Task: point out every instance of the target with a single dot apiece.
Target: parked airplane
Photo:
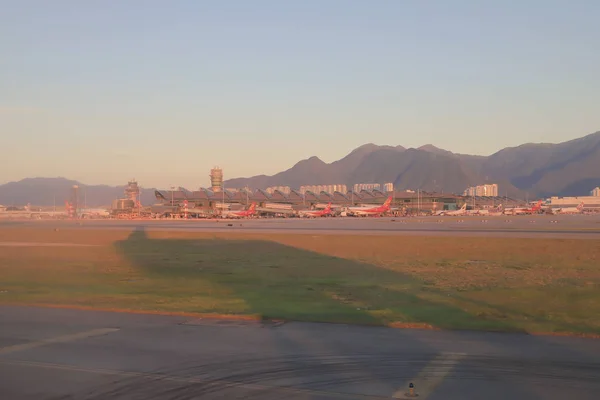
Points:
(316, 213)
(240, 214)
(569, 210)
(486, 211)
(524, 210)
(460, 211)
(498, 210)
(364, 211)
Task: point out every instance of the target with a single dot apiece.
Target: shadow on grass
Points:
(276, 281)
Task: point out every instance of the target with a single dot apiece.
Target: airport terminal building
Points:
(294, 200)
(590, 203)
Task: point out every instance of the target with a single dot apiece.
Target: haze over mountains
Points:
(565, 169)
(49, 191)
(539, 169)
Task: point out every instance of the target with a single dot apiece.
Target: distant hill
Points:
(45, 191)
(568, 168)
(539, 169)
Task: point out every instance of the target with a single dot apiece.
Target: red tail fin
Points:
(388, 201)
(252, 207)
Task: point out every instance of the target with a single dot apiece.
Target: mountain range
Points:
(536, 169)
(49, 191)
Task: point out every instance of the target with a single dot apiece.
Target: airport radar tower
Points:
(216, 179)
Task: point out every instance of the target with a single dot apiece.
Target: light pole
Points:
(222, 198)
(172, 201)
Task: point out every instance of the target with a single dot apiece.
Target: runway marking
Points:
(58, 339)
(431, 376)
(210, 382)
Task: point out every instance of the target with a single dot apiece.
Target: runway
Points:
(549, 226)
(73, 354)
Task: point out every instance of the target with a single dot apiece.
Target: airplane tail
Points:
(328, 208)
(580, 206)
(252, 207)
(388, 202)
(464, 207)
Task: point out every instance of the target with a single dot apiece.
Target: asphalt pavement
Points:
(74, 354)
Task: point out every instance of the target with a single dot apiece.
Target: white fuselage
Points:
(567, 210)
(234, 214)
(310, 214)
(364, 211)
(461, 211)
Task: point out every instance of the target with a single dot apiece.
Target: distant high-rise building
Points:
(595, 192)
(366, 186)
(388, 187)
(323, 188)
(283, 189)
(216, 179)
(487, 190)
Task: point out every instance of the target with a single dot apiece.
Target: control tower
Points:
(132, 191)
(216, 179)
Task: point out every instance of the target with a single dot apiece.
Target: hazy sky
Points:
(103, 91)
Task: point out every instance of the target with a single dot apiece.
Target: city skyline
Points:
(160, 91)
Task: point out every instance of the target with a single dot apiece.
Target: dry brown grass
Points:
(480, 283)
(449, 262)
